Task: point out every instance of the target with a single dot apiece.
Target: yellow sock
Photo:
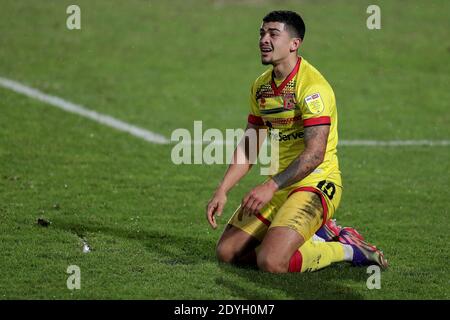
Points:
(315, 255)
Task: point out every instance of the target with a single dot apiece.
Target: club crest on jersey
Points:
(289, 101)
(262, 102)
(314, 103)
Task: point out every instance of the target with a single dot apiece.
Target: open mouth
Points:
(266, 50)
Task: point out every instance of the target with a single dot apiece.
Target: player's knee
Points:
(272, 264)
(225, 253)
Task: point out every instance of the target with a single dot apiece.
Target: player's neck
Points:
(282, 69)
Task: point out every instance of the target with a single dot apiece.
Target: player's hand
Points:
(215, 206)
(258, 197)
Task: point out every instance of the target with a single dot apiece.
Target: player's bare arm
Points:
(238, 168)
(315, 138)
(316, 144)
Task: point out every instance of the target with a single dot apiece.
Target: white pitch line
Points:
(394, 143)
(160, 139)
(84, 112)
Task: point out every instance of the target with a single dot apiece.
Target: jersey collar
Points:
(277, 90)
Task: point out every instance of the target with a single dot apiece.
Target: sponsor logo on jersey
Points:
(280, 136)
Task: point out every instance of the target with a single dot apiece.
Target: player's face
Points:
(275, 42)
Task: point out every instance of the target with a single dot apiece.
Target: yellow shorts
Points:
(304, 209)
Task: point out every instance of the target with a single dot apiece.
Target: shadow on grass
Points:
(172, 249)
(330, 283)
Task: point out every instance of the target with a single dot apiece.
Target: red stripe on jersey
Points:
(316, 121)
(322, 199)
(258, 121)
(277, 90)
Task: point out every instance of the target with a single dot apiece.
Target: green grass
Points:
(163, 66)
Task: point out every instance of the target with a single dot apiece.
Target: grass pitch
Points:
(162, 65)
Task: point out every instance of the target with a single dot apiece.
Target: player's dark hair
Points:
(292, 21)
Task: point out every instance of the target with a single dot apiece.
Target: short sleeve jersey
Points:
(302, 100)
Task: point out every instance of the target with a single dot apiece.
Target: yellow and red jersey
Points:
(303, 99)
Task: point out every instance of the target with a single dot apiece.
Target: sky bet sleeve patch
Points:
(314, 103)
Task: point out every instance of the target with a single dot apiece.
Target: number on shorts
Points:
(328, 188)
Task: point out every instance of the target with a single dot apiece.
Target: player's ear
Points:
(295, 44)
